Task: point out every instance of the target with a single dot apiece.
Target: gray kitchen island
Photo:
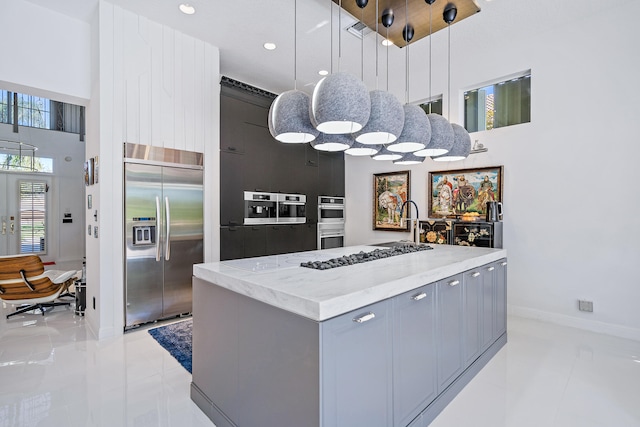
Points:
(383, 343)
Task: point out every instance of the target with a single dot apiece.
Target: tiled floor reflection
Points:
(54, 373)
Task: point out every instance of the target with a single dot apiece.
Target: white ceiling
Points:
(239, 28)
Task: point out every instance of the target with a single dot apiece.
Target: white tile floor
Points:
(53, 373)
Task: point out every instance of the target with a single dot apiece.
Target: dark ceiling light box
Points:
(418, 16)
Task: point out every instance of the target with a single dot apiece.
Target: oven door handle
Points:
(332, 207)
(338, 234)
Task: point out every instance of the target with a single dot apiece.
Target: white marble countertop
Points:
(319, 295)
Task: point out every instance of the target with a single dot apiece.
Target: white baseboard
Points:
(574, 322)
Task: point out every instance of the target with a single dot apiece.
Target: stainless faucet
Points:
(409, 217)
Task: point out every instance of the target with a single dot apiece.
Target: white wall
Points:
(40, 40)
(151, 85)
(569, 193)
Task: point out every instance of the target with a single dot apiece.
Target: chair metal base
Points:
(42, 306)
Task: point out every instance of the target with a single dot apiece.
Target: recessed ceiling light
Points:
(323, 72)
(187, 9)
(269, 46)
(387, 42)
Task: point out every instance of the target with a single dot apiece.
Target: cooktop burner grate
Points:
(362, 256)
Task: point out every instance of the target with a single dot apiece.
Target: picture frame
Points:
(390, 191)
(454, 193)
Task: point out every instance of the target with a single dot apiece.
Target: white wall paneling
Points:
(157, 87)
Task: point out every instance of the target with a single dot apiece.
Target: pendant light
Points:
(409, 159)
(340, 102)
(461, 146)
(387, 115)
(441, 136)
(289, 120)
(335, 142)
(416, 131)
(359, 149)
(385, 154)
(441, 131)
(462, 140)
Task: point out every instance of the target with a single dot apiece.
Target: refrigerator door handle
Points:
(167, 251)
(157, 228)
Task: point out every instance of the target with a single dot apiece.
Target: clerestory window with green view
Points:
(505, 103)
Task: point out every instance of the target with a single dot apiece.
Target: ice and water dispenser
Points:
(144, 233)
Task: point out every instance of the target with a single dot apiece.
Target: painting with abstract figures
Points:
(390, 191)
(455, 193)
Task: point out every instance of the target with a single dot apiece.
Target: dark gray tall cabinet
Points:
(252, 160)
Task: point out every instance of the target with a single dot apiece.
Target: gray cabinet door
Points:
(473, 314)
(356, 368)
(450, 327)
(414, 353)
(500, 284)
(488, 306)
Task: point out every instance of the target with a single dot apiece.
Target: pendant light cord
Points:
(331, 34)
(406, 37)
(449, 74)
(295, 44)
(387, 58)
(430, 73)
(339, 34)
(377, 10)
(362, 47)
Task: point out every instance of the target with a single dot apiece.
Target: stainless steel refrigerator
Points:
(163, 231)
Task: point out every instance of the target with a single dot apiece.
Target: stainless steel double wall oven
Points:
(331, 219)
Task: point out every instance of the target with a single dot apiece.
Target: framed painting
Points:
(455, 193)
(390, 191)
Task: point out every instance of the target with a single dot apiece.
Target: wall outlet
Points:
(585, 305)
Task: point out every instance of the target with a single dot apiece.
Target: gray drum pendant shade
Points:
(385, 154)
(386, 119)
(340, 104)
(359, 149)
(415, 133)
(289, 118)
(409, 159)
(336, 142)
(441, 137)
(461, 146)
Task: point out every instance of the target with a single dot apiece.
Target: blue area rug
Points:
(176, 339)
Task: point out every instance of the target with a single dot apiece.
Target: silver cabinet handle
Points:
(364, 318)
(476, 274)
(12, 227)
(167, 250)
(503, 263)
(4, 227)
(491, 268)
(454, 283)
(157, 228)
(419, 296)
